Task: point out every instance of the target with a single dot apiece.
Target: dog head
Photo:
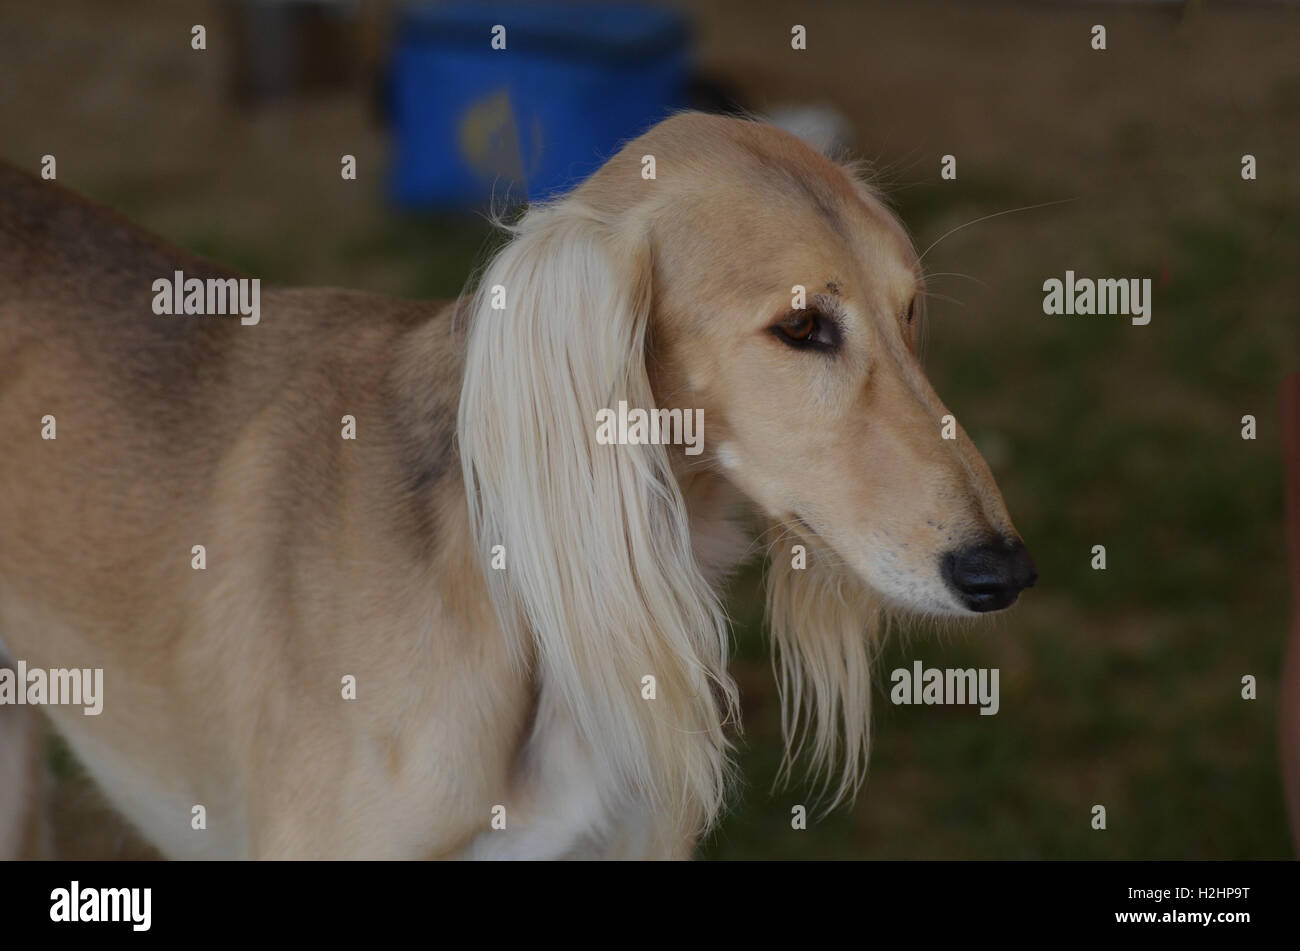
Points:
(786, 305)
(722, 266)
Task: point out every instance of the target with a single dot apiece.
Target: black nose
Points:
(990, 576)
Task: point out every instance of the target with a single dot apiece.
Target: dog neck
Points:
(721, 522)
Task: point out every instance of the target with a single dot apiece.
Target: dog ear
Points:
(599, 569)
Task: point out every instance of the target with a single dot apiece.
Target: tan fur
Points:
(329, 557)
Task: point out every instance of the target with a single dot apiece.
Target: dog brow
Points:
(808, 186)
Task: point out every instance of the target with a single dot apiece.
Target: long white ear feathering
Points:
(601, 579)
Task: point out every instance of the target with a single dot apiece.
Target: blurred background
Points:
(1119, 687)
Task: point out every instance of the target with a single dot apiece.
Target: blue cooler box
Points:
(536, 118)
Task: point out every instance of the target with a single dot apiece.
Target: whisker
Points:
(951, 300)
(999, 214)
(968, 277)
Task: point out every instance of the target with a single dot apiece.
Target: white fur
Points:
(603, 577)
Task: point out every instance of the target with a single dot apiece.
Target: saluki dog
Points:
(364, 579)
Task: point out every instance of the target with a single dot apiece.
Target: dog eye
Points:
(800, 327)
(808, 330)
